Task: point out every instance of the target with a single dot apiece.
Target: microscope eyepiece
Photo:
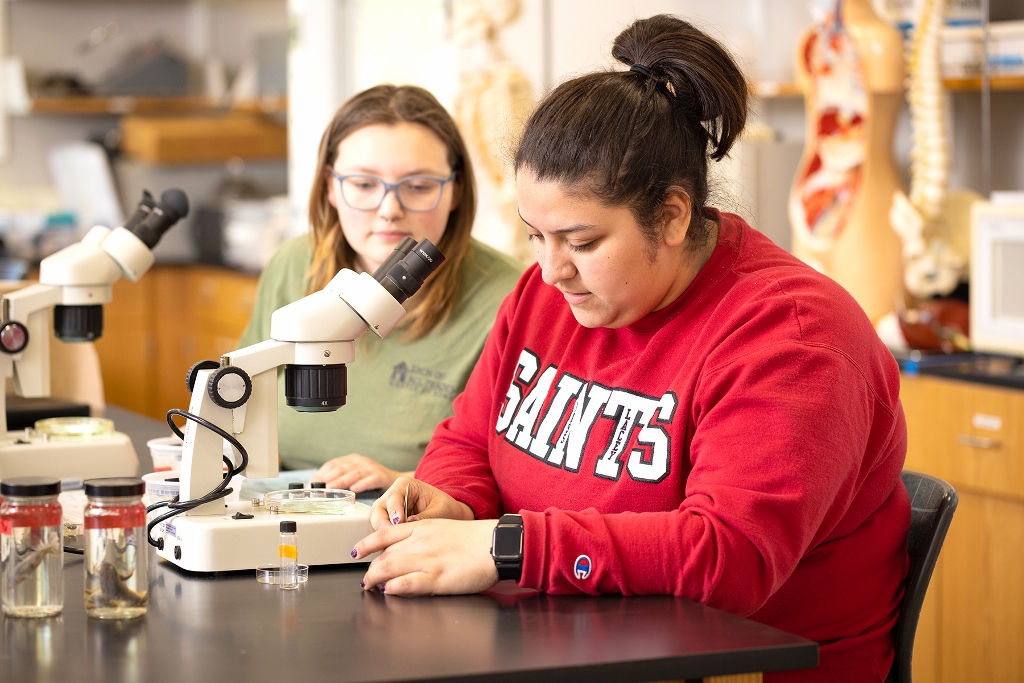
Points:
(172, 207)
(400, 252)
(142, 211)
(406, 277)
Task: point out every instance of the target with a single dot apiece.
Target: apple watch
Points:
(507, 547)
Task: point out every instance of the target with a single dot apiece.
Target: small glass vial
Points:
(116, 574)
(318, 487)
(31, 547)
(288, 551)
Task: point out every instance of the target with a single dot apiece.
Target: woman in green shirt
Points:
(392, 164)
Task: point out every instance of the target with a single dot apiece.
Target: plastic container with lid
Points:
(166, 453)
(31, 547)
(116, 572)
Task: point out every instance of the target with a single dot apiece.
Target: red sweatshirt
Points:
(741, 447)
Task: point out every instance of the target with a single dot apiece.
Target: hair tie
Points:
(642, 70)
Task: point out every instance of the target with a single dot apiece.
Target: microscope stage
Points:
(88, 458)
(222, 543)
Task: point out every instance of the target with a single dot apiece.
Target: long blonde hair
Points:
(390, 105)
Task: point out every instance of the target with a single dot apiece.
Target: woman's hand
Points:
(430, 557)
(356, 473)
(410, 500)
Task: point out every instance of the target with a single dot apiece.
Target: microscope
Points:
(235, 401)
(75, 282)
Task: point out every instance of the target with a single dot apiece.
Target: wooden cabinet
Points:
(155, 329)
(972, 435)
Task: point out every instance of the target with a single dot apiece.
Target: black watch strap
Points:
(507, 547)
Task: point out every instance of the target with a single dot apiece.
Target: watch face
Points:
(508, 543)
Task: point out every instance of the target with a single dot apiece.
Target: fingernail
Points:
(381, 587)
(362, 584)
(395, 519)
(354, 553)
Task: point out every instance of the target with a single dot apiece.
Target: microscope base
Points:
(108, 456)
(219, 543)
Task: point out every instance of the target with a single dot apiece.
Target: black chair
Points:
(932, 503)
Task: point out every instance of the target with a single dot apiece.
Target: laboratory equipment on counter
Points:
(116, 576)
(31, 547)
(236, 400)
(75, 282)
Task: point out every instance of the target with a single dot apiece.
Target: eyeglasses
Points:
(414, 193)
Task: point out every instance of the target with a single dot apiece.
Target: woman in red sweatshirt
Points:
(668, 403)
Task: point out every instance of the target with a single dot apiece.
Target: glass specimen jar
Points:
(31, 547)
(116, 574)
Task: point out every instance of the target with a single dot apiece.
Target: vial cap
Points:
(288, 527)
(30, 486)
(294, 485)
(318, 484)
(115, 487)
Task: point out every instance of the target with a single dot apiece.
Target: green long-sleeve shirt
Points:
(398, 390)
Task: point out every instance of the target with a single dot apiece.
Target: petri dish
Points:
(311, 501)
(271, 573)
(74, 428)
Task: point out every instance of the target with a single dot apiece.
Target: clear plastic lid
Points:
(74, 428)
(312, 501)
(271, 573)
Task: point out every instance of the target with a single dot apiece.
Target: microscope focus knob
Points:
(193, 372)
(230, 387)
(13, 337)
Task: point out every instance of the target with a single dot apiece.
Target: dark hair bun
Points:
(705, 81)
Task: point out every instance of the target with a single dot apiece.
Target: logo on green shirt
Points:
(421, 380)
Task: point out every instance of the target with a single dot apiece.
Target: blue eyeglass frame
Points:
(393, 187)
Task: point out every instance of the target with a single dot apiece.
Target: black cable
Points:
(74, 551)
(177, 507)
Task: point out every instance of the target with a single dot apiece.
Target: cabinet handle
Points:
(978, 441)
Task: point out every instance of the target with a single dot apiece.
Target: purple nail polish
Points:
(354, 553)
(381, 587)
(395, 519)
(362, 584)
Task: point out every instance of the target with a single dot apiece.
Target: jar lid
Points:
(30, 486)
(318, 484)
(288, 527)
(115, 487)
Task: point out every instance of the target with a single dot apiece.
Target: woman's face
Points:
(596, 256)
(390, 152)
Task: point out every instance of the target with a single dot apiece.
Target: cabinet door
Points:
(127, 349)
(972, 624)
(222, 300)
(982, 592)
(215, 306)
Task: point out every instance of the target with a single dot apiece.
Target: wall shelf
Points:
(997, 83)
(122, 105)
(775, 89)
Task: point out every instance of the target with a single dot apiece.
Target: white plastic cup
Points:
(166, 453)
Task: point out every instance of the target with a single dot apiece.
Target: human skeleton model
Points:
(851, 68)
(931, 265)
(492, 106)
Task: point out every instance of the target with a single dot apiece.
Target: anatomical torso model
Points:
(850, 66)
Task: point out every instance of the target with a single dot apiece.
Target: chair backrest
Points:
(932, 503)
